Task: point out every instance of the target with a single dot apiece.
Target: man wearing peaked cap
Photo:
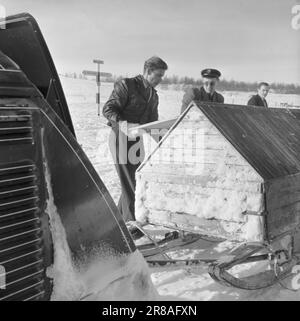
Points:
(207, 92)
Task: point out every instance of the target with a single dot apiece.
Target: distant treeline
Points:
(233, 85)
(180, 83)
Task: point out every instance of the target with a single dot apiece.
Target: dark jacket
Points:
(200, 95)
(256, 100)
(132, 101)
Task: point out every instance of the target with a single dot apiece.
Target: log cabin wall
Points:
(198, 181)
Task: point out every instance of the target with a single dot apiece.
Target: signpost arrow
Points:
(95, 73)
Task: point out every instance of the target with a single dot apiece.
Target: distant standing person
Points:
(260, 98)
(206, 93)
(134, 101)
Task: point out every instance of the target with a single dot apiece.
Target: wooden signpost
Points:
(98, 75)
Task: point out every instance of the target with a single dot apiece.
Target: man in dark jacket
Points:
(134, 101)
(207, 92)
(260, 98)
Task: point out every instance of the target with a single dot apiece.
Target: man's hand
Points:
(129, 129)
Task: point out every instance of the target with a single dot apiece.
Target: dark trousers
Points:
(126, 169)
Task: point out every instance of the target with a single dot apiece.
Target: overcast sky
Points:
(247, 40)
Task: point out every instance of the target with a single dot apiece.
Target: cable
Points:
(277, 276)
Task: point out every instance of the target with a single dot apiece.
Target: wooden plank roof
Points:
(268, 138)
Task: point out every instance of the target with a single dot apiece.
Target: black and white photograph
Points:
(149, 151)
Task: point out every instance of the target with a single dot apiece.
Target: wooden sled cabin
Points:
(225, 171)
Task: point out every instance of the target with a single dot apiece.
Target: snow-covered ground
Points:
(178, 283)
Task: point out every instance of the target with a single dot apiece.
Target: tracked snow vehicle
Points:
(42, 170)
